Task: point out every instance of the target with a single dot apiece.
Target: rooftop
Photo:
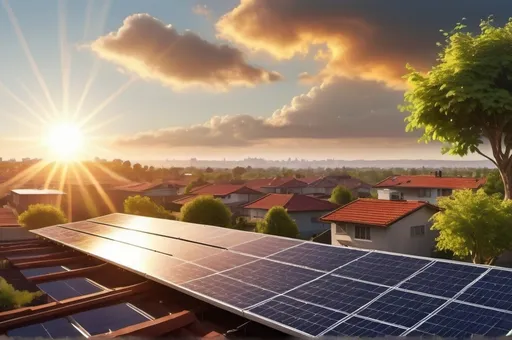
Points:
(38, 192)
(224, 190)
(431, 182)
(292, 203)
(8, 218)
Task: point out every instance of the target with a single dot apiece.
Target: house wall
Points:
(395, 238)
(159, 192)
(235, 198)
(411, 194)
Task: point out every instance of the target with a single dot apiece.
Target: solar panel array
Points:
(302, 288)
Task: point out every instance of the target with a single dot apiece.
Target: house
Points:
(162, 193)
(21, 199)
(326, 184)
(305, 210)
(278, 185)
(10, 230)
(389, 225)
(425, 187)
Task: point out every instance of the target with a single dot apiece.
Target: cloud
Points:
(372, 39)
(338, 110)
(153, 50)
(202, 10)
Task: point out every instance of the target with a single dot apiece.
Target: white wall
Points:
(409, 194)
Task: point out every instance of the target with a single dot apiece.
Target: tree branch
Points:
(484, 155)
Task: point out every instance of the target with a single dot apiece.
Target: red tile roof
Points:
(431, 182)
(8, 218)
(292, 202)
(276, 182)
(145, 186)
(224, 190)
(185, 199)
(375, 212)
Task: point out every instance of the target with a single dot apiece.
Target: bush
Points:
(243, 224)
(40, 216)
(11, 298)
(206, 210)
(278, 222)
(341, 195)
(144, 206)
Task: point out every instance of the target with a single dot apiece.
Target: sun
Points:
(64, 141)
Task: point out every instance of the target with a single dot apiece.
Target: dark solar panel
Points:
(53, 329)
(382, 268)
(65, 289)
(111, 318)
(357, 327)
(461, 321)
(42, 271)
(265, 246)
(494, 289)
(337, 293)
(318, 256)
(443, 279)
(224, 261)
(309, 319)
(181, 273)
(273, 276)
(401, 308)
(226, 290)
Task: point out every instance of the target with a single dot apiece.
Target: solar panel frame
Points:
(359, 327)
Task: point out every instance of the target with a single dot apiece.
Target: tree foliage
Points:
(11, 298)
(474, 224)
(494, 184)
(41, 215)
(206, 210)
(144, 206)
(466, 99)
(195, 184)
(341, 195)
(278, 222)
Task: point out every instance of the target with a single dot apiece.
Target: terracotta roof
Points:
(8, 218)
(375, 212)
(224, 190)
(184, 199)
(292, 202)
(431, 182)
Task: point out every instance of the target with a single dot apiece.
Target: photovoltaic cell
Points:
(357, 327)
(181, 273)
(273, 276)
(443, 279)
(233, 238)
(318, 256)
(224, 261)
(401, 308)
(494, 289)
(70, 288)
(382, 268)
(224, 289)
(53, 329)
(461, 321)
(265, 246)
(301, 316)
(42, 271)
(337, 293)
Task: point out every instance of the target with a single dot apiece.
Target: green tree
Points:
(195, 184)
(144, 206)
(41, 215)
(127, 164)
(11, 298)
(278, 222)
(341, 195)
(238, 171)
(475, 225)
(494, 184)
(206, 210)
(466, 99)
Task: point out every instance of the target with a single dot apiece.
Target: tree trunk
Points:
(506, 176)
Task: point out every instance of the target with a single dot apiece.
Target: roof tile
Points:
(291, 202)
(431, 182)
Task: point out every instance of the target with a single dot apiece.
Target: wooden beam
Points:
(66, 274)
(38, 243)
(50, 263)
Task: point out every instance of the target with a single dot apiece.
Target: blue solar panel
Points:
(494, 289)
(229, 291)
(111, 318)
(309, 319)
(265, 246)
(318, 256)
(224, 261)
(53, 329)
(443, 279)
(182, 273)
(357, 327)
(273, 276)
(42, 271)
(457, 320)
(337, 293)
(382, 268)
(70, 288)
(401, 308)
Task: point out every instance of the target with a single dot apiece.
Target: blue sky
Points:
(130, 124)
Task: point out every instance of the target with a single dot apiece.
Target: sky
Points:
(158, 79)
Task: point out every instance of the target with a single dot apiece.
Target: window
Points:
(362, 233)
(417, 230)
(424, 193)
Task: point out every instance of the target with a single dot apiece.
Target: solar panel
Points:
(458, 320)
(53, 329)
(273, 276)
(337, 293)
(42, 271)
(265, 246)
(224, 261)
(401, 308)
(494, 289)
(382, 268)
(226, 290)
(233, 238)
(358, 327)
(69, 288)
(181, 273)
(443, 279)
(317, 256)
(296, 315)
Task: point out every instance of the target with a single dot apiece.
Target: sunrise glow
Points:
(64, 141)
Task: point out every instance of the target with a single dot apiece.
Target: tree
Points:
(40, 216)
(238, 171)
(466, 99)
(341, 195)
(127, 164)
(206, 210)
(195, 184)
(278, 222)
(11, 298)
(208, 170)
(474, 224)
(494, 184)
(144, 206)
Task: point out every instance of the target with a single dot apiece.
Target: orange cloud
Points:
(202, 10)
(153, 50)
